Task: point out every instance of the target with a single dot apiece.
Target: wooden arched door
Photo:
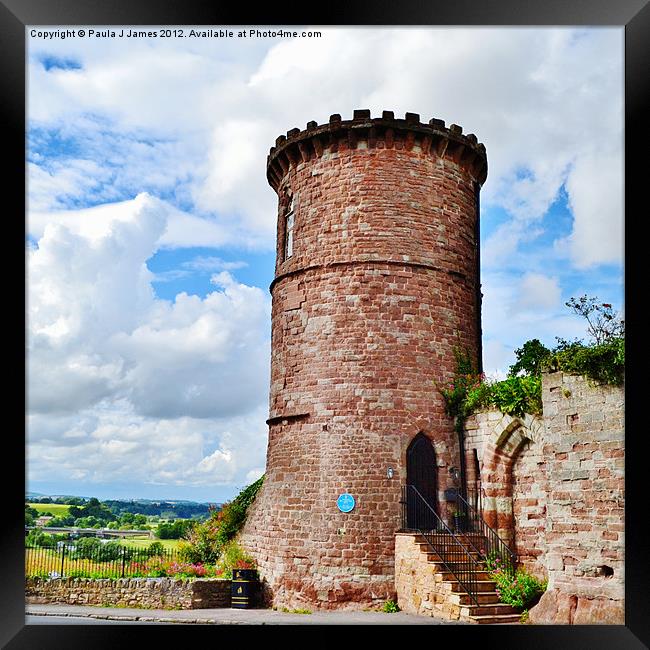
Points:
(421, 472)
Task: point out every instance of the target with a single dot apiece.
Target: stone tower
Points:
(376, 282)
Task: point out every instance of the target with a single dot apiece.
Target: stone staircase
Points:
(425, 586)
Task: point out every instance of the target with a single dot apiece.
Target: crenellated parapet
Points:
(364, 132)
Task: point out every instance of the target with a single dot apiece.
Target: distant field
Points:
(143, 542)
(57, 509)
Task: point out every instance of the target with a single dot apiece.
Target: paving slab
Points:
(59, 614)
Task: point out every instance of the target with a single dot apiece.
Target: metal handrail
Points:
(418, 515)
(495, 547)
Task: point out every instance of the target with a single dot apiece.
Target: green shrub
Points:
(299, 610)
(156, 548)
(521, 590)
(207, 540)
(175, 530)
(390, 607)
(603, 363)
(518, 395)
(41, 539)
(234, 557)
(233, 514)
(91, 548)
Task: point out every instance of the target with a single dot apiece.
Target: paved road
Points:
(74, 620)
(84, 615)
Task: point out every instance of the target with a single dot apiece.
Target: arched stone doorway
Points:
(421, 473)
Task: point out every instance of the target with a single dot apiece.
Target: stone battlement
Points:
(364, 132)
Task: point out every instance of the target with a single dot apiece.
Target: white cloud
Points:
(118, 446)
(181, 229)
(550, 103)
(538, 292)
(129, 379)
(597, 235)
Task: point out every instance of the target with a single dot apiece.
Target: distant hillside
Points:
(166, 509)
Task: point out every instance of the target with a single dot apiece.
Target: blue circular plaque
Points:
(345, 502)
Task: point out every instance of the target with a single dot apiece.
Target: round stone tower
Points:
(376, 283)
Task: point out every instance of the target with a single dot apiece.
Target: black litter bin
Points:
(243, 588)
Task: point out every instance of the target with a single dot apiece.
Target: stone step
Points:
(481, 585)
(511, 619)
(425, 548)
(448, 576)
(496, 609)
(484, 598)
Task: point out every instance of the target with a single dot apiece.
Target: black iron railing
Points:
(65, 559)
(482, 538)
(420, 517)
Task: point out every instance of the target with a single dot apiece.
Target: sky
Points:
(150, 236)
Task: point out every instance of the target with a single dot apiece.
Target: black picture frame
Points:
(633, 15)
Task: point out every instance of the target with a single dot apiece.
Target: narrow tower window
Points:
(288, 232)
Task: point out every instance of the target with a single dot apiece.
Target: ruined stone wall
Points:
(148, 593)
(556, 490)
(584, 447)
(512, 480)
(381, 285)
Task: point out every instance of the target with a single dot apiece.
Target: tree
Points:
(530, 357)
(603, 323)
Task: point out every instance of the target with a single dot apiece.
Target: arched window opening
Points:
(288, 230)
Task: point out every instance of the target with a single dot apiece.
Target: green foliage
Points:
(233, 514)
(530, 357)
(521, 590)
(155, 548)
(58, 522)
(91, 548)
(207, 540)
(38, 537)
(465, 380)
(470, 392)
(31, 514)
(232, 557)
(201, 544)
(175, 530)
(604, 362)
(516, 395)
(390, 607)
(298, 610)
(99, 511)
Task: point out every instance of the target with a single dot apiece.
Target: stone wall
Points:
(420, 590)
(512, 480)
(150, 593)
(585, 455)
(554, 487)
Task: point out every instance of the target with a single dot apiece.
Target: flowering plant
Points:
(157, 568)
(521, 590)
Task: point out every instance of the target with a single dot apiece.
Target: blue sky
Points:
(151, 227)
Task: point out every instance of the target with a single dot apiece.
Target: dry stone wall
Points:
(149, 593)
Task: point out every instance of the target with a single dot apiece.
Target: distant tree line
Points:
(163, 509)
(115, 514)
